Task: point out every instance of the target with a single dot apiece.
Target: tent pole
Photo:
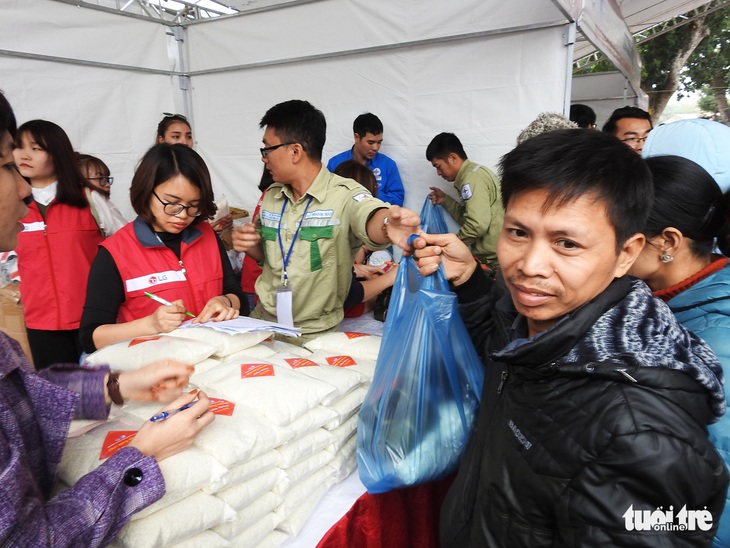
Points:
(183, 78)
(570, 46)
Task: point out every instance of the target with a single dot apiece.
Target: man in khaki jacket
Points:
(479, 211)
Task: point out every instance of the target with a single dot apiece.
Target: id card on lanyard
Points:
(284, 294)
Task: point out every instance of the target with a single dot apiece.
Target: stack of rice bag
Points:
(283, 435)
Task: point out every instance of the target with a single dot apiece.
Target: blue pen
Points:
(161, 416)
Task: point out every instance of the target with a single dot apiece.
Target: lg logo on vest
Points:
(155, 279)
(659, 520)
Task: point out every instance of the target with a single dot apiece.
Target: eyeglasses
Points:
(175, 209)
(635, 140)
(102, 180)
(265, 151)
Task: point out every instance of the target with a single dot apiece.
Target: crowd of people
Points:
(589, 269)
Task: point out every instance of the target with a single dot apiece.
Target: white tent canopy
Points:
(482, 69)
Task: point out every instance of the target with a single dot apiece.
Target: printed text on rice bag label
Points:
(250, 370)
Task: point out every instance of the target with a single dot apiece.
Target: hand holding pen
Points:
(165, 437)
(162, 415)
(167, 317)
(164, 302)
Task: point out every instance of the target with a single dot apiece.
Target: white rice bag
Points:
(249, 515)
(341, 378)
(176, 523)
(141, 351)
(358, 345)
(279, 394)
(224, 343)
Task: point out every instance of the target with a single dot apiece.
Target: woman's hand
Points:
(166, 318)
(220, 307)
(367, 271)
(161, 381)
(168, 437)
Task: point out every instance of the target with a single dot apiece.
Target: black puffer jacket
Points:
(605, 411)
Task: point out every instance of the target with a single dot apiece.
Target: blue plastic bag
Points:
(418, 414)
(432, 218)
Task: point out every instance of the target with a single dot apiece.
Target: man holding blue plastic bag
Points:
(591, 430)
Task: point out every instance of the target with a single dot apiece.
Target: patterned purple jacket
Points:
(34, 420)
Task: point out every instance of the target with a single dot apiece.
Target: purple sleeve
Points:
(89, 382)
(89, 514)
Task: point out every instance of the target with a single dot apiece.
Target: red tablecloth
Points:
(401, 518)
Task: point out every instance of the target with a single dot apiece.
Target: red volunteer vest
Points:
(54, 259)
(145, 264)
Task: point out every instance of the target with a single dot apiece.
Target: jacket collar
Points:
(623, 330)
(147, 237)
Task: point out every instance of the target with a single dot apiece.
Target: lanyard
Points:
(285, 258)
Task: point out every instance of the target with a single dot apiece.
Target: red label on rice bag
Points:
(221, 407)
(296, 363)
(341, 361)
(140, 340)
(354, 335)
(249, 370)
(114, 441)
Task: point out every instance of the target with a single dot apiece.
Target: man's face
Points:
(277, 160)
(367, 147)
(447, 168)
(633, 132)
(556, 260)
(13, 189)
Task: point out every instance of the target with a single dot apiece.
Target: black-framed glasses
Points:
(175, 209)
(635, 140)
(108, 180)
(265, 151)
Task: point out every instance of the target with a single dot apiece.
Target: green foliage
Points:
(707, 102)
(710, 63)
(603, 65)
(658, 54)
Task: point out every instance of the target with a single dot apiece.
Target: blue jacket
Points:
(704, 309)
(390, 186)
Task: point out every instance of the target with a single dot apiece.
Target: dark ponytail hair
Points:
(687, 198)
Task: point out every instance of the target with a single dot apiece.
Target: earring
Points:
(666, 258)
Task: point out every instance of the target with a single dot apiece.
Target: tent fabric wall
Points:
(105, 79)
(111, 114)
(483, 71)
(421, 67)
(61, 31)
(485, 90)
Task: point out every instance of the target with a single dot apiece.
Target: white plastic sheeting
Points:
(485, 88)
(482, 69)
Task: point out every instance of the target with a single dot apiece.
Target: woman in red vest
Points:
(167, 251)
(57, 245)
